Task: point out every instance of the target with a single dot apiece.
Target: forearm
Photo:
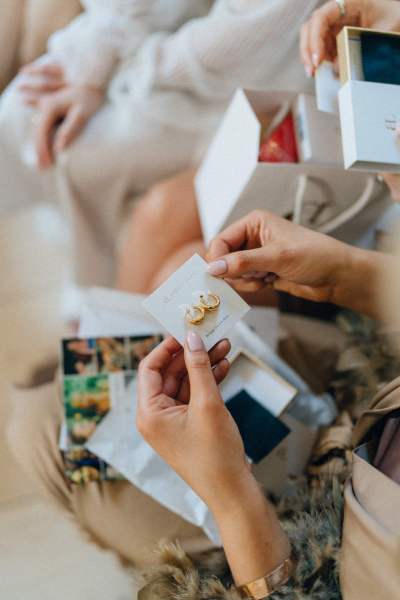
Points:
(252, 537)
(362, 281)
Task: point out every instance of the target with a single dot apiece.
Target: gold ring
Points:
(195, 314)
(205, 301)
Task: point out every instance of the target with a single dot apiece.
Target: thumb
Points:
(237, 264)
(201, 378)
(73, 123)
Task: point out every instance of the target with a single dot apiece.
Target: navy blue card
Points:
(261, 431)
(380, 57)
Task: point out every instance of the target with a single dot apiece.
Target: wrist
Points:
(358, 282)
(253, 539)
(230, 500)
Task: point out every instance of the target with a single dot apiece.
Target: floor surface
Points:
(43, 556)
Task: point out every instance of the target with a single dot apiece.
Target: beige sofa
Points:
(25, 26)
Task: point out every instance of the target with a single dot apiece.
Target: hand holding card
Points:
(193, 300)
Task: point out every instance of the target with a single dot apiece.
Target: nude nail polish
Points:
(218, 267)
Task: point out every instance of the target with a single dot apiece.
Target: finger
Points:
(304, 49)
(203, 387)
(31, 99)
(246, 285)
(220, 371)
(307, 292)
(237, 264)
(70, 129)
(232, 238)
(48, 118)
(320, 24)
(41, 85)
(50, 69)
(150, 378)
(177, 369)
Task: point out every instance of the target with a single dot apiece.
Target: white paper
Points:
(182, 289)
(250, 374)
(327, 86)
(117, 441)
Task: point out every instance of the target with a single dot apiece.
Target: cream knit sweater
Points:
(180, 61)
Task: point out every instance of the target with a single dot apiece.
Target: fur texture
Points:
(312, 509)
(312, 517)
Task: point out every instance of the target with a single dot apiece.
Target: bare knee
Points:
(169, 205)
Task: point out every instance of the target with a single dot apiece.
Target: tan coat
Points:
(370, 563)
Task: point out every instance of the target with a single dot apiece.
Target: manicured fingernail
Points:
(309, 71)
(194, 342)
(315, 59)
(218, 267)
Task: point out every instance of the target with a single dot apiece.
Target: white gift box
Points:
(369, 111)
(318, 133)
(369, 114)
(231, 182)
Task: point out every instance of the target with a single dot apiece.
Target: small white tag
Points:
(182, 289)
(327, 87)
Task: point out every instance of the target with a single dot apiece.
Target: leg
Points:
(116, 515)
(163, 221)
(21, 184)
(119, 155)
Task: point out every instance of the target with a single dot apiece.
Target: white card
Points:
(249, 373)
(327, 87)
(167, 304)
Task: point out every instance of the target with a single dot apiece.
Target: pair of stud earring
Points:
(196, 313)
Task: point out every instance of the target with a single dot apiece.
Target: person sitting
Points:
(170, 206)
(129, 94)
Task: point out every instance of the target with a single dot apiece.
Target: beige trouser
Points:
(118, 156)
(115, 514)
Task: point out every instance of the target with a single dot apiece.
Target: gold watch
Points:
(265, 586)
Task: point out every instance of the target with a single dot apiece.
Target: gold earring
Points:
(209, 301)
(195, 314)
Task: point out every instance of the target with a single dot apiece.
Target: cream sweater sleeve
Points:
(238, 42)
(110, 31)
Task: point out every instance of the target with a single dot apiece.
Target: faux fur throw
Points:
(312, 517)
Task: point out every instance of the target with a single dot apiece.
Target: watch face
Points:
(261, 431)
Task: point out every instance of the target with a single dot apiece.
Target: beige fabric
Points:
(12, 12)
(25, 26)
(115, 514)
(91, 182)
(371, 533)
(41, 19)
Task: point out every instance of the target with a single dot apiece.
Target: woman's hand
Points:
(265, 249)
(182, 416)
(62, 116)
(38, 79)
(318, 34)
